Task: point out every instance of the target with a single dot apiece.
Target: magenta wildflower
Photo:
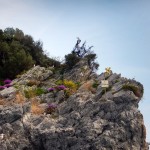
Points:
(52, 106)
(7, 81)
(61, 87)
(51, 89)
(2, 87)
(7, 85)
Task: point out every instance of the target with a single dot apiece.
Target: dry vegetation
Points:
(88, 86)
(19, 99)
(35, 108)
(2, 102)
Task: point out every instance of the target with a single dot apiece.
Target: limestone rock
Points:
(8, 92)
(86, 120)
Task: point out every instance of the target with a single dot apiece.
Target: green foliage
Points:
(40, 91)
(30, 93)
(67, 83)
(59, 82)
(19, 52)
(134, 89)
(71, 60)
(95, 84)
(67, 93)
(71, 86)
(81, 52)
(1, 82)
(117, 80)
(91, 61)
(78, 84)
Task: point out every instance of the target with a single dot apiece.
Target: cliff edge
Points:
(46, 110)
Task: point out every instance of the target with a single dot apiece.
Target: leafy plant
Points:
(71, 60)
(117, 80)
(30, 93)
(78, 84)
(95, 84)
(68, 93)
(40, 91)
(91, 61)
(70, 84)
(59, 82)
(134, 89)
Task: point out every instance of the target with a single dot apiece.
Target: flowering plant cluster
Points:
(7, 84)
(51, 89)
(59, 87)
(7, 81)
(2, 87)
(51, 108)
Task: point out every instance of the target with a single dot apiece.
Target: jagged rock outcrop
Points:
(89, 119)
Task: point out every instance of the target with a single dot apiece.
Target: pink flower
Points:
(61, 87)
(52, 106)
(7, 81)
(2, 87)
(51, 89)
(7, 85)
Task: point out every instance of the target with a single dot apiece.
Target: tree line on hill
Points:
(19, 52)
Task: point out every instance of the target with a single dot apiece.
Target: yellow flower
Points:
(108, 70)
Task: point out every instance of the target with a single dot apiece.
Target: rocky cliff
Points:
(78, 115)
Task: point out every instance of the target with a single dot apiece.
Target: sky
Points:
(119, 30)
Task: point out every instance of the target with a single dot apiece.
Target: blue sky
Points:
(119, 30)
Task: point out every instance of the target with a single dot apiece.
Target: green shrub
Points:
(40, 91)
(91, 61)
(134, 89)
(71, 60)
(59, 82)
(78, 84)
(67, 93)
(67, 83)
(117, 80)
(71, 86)
(30, 93)
(95, 84)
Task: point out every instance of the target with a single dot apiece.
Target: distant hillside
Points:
(19, 52)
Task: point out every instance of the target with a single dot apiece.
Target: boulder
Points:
(8, 92)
